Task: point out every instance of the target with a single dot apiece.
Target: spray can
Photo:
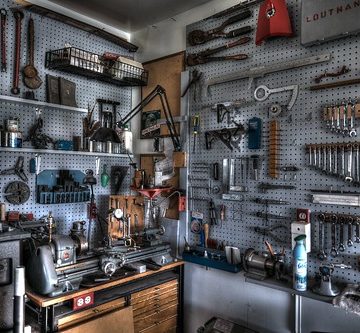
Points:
(300, 264)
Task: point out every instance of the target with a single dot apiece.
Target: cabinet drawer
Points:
(153, 318)
(154, 308)
(161, 299)
(154, 291)
(90, 313)
(167, 326)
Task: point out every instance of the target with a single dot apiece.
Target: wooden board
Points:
(119, 321)
(165, 72)
(134, 204)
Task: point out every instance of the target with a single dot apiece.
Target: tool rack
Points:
(300, 126)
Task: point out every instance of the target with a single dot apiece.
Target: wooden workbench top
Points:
(44, 301)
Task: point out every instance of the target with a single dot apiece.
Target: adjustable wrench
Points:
(262, 92)
(333, 252)
(341, 246)
(349, 221)
(348, 175)
(321, 254)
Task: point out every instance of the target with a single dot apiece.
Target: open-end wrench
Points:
(341, 246)
(324, 152)
(330, 169)
(335, 169)
(342, 161)
(357, 230)
(333, 118)
(356, 163)
(333, 252)
(310, 156)
(349, 221)
(262, 92)
(351, 113)
(319, 161)
(337, 118)
(321, 254)
(349, 159)
(315, 156)
(345, 129)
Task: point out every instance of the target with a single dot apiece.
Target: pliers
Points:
(17, 170)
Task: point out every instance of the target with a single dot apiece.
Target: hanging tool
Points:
(231, 137)
(269, 216)
(222, 214)
(335, 84)
(255, 162)
(204, 56)
(273, 232)
(261, 70)
(18, 170)
(196, 130)
(197, 37)
(342, 71)
(31, 77)
(274, 149)
(18, 15)
(3, 17)
(271, 201)
(195, 78)
(262, 92)
(266, 186)
(215, 168)
(212, 212)
(254, 133)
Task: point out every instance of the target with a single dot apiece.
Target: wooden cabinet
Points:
(155, 309)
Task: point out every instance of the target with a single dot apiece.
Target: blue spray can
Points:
(300, 264)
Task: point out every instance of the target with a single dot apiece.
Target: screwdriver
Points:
(196, 129)
(222, 214)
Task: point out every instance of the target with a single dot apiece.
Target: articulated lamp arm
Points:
(158, 91)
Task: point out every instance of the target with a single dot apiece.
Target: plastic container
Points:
(300, 264)
(127, 138)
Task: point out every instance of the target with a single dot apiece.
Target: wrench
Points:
(357, 230)
(335, 170)
(342, 161)
(310, 155)
(341, 246)
(351, 112)
(348, 176)
(356, 163)
(349, 221)
(324, 166)
(262, 92)
(321, 254)
(337, 117)
(333, 252)
(330, 159)
(333, 118)
(345, 129)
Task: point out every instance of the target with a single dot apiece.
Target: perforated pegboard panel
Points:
(303, 127)
(59, 124)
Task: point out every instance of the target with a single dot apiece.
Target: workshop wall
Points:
(59, 124)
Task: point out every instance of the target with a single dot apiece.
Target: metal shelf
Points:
(60, 152)
(10, 99)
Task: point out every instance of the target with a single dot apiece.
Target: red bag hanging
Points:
(273, 20)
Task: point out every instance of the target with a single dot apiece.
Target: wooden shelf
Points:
(11, 99)
(60, 152)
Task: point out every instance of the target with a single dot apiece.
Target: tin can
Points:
(12, 124)
(98, 146)
(14, 139)
(91, 146)
(4, 140)
(109, 147)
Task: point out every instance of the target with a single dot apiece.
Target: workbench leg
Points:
(180, 324)
(44, 319)
(298, 313)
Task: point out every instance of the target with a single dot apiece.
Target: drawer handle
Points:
(157, 288)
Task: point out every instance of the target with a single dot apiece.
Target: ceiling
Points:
(129, 15)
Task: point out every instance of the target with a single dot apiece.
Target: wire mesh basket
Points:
(91, 65)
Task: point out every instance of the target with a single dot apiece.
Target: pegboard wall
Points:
(59, 124)
(299, 126)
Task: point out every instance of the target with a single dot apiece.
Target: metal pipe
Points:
(19, 300)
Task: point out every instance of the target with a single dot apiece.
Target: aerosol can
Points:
(300, 264)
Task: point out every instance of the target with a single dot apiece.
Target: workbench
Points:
(155, 299)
